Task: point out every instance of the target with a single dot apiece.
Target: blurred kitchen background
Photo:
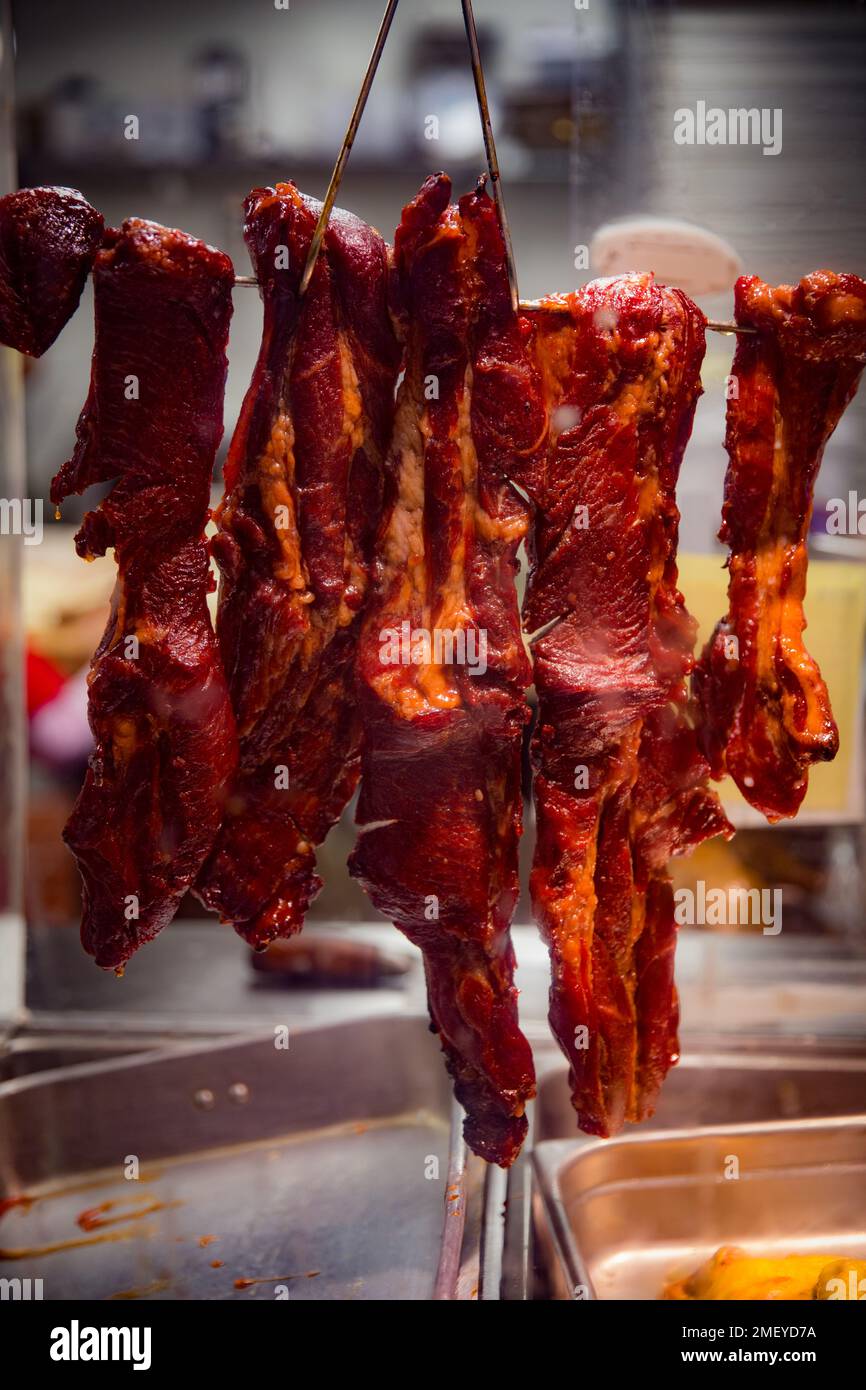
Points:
(231, 94)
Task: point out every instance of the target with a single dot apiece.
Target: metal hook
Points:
(346, 147)
(490, 148)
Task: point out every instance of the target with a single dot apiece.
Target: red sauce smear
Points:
(95, 1217)
(158, 1286)
(276, 1279)
(9, 1202)
(29, 1252)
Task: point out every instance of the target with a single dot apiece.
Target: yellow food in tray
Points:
(733, 1274)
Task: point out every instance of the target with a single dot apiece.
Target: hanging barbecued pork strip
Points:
(295, 535)
(48, 240)
(620, 785)
(765, 710)
(158, 705)
(443, 671)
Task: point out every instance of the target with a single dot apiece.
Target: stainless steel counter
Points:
(773, 1033)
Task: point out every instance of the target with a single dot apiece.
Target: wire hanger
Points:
(489, 149)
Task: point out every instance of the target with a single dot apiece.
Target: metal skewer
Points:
(560, 306)
(729, 327)
(525, 305)
(490, 148)
(345, 149)
(451, 1246)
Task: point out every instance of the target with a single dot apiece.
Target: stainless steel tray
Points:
(28, 1051)
(719, 1085)
(617, 1219)
(310, 1169)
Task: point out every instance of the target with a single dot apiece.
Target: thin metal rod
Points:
(561, 306)
(729, 327)
(346, 147)
(493, 1231)
(490, 148)
(451, 1246)
(557, 307)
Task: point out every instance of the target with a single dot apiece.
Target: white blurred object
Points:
(679, 253)
(59, 731)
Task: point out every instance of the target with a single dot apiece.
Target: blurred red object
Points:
(44, 681)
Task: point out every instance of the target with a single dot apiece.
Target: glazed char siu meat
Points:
(765, 711)
(442, 668)
(620, 784)
(296, 529)
(368, 622)
(48, 240)
(158, 704)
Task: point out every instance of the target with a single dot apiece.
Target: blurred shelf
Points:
(548, 167)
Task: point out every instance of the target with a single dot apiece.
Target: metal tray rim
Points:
(551, 1157)
(153, 1052)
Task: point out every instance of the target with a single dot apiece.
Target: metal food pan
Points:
(27, 1052)
(715, 1085)
(320, 1170)
(618, 1219)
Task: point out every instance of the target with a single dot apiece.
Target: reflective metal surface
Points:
(13, 742)
(731, 1087)
(631, 1214)
(619, 1218)
(320, 1170)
